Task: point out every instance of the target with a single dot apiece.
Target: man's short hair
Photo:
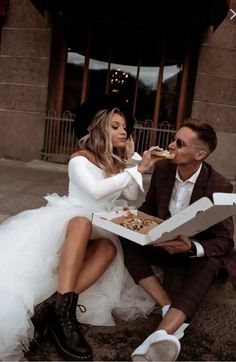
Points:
(205, 132)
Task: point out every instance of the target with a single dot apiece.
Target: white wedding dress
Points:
(30, 245)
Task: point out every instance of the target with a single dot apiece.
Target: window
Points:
(145, 64)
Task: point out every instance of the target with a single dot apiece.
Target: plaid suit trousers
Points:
(199, 273)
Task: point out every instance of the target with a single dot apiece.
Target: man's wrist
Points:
(192, 251)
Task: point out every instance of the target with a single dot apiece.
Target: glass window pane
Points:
(97, 77)
(171, 78)
(170, 93)
(122, 81)
(146, 96)
(73, 80)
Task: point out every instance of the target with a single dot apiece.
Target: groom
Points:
(174, 185)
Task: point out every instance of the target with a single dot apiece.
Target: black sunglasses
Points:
(180, 143)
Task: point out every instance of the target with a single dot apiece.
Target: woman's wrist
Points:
(140, 168)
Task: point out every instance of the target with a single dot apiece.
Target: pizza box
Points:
(193, 219)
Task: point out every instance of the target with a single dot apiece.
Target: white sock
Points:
(165, 310)
(179, 333)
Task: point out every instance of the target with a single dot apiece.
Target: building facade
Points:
(168, 65)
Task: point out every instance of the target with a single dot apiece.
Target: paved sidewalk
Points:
(23, 185)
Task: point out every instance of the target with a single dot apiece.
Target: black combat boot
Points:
(66, 331)
(41, 317)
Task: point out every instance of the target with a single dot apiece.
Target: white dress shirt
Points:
(180, 199)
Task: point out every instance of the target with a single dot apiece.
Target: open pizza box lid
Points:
(195, 218)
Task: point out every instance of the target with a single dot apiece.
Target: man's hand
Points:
(181, 245)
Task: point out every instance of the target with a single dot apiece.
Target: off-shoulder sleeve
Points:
(81, 175)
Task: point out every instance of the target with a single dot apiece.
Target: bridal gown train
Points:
(30, 244)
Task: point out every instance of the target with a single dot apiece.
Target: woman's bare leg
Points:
(100, 253)
(73, 253)
(83, 261)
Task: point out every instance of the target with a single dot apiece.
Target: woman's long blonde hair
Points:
(98, 141)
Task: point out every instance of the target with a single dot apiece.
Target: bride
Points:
(56, 249)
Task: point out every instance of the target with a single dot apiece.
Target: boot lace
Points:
(84, 329)
(71, 321)
(82, 308)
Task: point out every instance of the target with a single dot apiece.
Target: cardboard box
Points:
(193, 219)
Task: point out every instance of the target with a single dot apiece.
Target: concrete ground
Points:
(212, 333)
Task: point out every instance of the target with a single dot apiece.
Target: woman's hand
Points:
(148, 160)
(129, 147)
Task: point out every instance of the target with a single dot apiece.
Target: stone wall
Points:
(24, 64)
(215, 92)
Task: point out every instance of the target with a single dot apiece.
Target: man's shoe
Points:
(159, 346)
(66, 331)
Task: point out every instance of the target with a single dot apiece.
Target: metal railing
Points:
(59, 137)
(146, 136)
(60, 141)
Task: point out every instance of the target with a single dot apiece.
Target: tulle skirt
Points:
(30, 245)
